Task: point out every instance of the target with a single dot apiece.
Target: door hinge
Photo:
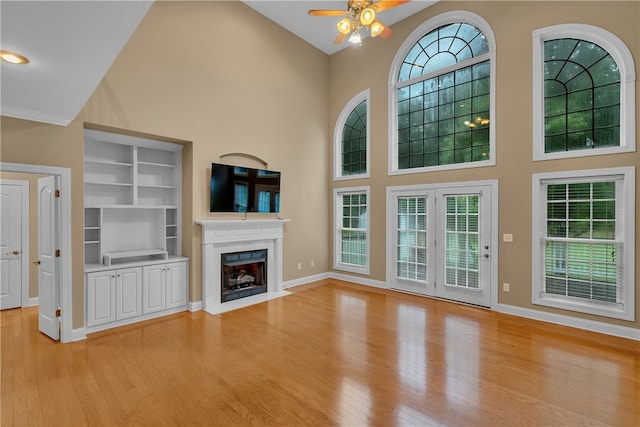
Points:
(58, 313)
(57, 253)
(57, 193)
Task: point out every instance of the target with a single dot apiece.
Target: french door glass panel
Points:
(441, 243)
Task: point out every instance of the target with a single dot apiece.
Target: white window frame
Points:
(428, 26)
(620, 53)
(365, 95)
(337, 227)
(625, 233)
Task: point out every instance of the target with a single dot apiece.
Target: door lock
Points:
(14, 252)
(486, 255)
(36, 262)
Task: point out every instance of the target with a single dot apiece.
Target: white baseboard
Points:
(359, 280)
(78, 334)
(574, 322)
(194, 306)
(304, 280)
(32, 302)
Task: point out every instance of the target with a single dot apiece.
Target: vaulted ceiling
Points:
(72, 44)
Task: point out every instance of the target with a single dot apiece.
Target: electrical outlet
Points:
(507, 237)
(299, 266)
(506, 287)
(313, 263)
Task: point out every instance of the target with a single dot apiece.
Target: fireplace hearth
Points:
(220, 237)
(243, 274)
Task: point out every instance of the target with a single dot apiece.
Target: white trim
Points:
(304, 280)
(572, 322)
(66, 277)
(365, 95)
(78, 334)
(194, 306)
(32, 302)
(359, 280)
(625, 232)
(337, 218)
(620, 53)
(428, 26)
(35, 116)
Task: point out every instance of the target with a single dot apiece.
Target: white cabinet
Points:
(164, 286)
(132, 229)
(113, 295)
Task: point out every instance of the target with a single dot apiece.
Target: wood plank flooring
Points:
(332, 353)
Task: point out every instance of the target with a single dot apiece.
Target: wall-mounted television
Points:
(241, 189)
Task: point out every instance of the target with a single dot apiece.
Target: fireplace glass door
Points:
(243, 274)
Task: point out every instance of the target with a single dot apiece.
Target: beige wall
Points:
(220, 78)
(224, 79)
(512, 24)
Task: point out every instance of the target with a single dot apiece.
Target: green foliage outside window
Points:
(354, 142)
(581, 96)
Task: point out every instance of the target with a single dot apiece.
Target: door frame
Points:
(390, 221)
(24, 237)
(65, 284)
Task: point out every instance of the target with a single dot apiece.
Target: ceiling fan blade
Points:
(316, 12)
(340, 38)
(384, 5)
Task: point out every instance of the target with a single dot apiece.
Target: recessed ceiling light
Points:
(12, 57)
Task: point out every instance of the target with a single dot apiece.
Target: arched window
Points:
(584, 93)
(351, 140)
(441, 90)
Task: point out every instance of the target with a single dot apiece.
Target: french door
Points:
(440, 241)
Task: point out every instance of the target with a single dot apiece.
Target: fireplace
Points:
(243, 274)
(262, 239)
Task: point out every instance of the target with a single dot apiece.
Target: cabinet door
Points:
(101, 297)
(128, 293)
(177, 280)
(153, 288)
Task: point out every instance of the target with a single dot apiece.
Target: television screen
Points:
(240, 189)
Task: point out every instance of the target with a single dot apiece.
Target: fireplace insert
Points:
(243, 274)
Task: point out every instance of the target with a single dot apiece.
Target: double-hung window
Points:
(583, 241)
(442, 95)
(352, 229)
(584, 93)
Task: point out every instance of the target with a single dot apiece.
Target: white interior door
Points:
(13, 196)
(440, 242)
(48, 282)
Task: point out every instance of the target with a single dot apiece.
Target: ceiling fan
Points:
(360, 15)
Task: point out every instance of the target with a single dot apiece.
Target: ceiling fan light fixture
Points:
(344, 26)
(355, 37)
(12, 57)
(376, 29)
(367, 16)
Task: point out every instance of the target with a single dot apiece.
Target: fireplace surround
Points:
(220, 237)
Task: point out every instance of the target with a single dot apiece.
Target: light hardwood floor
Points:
(330, 354)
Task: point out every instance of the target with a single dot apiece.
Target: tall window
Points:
(442, 93)
(582, 92)
(352, 229)
(585, 233)
(351, 149)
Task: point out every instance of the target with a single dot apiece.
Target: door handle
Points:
(36, 262)
(485, 255)
(14, 252)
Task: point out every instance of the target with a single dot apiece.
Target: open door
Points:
(48, 253)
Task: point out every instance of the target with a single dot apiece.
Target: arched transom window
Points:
(442, 90)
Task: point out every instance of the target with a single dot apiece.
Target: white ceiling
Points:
(321, 31)
(72, 44)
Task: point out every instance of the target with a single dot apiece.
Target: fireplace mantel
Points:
(223, 236)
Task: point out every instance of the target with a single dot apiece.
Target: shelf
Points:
(92, 228)
(108, 163)
(109, 184)
(158, 187)
(109, 257)
(158, 165)
(91, 242)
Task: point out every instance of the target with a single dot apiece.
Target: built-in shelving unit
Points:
(132, 218)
